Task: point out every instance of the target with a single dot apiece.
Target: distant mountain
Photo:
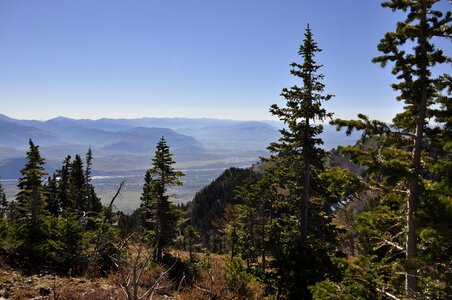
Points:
(152, 135)
(101, 124)
(5, 118)
(333, 138)
(103, 132)
(10, 168)
(212, 133)
(10, 152)
(125, 146)
(235, 135)
(13, 134)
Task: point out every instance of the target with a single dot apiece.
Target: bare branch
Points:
(110, 206)
(387, 294)
(202, 289)
(393, 244)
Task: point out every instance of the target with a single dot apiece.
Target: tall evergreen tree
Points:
(405, 227)
(307, 258)
(64, 184)
(30, 213)
(31, 198)
(77, 186)
(417, 89)
(298, 146)
(160, 215)
(93, 201)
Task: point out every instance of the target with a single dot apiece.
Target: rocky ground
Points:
(15, 286)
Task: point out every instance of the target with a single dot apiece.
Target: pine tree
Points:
(160, 215)
(417, 89)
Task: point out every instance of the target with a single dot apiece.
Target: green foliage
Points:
(32, 194)
(47, 225)
(237, 277)
(159, 215)
(5, 243)
(208, 208)
(70, 190)
(103, 251)
(405, 227)
(73, 244)
(29, 226)
(301, 237)
(3, 203)
(191, 237)
(186, 270)
(355, 284)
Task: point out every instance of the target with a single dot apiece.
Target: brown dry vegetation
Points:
(209, 284)
(212, 283)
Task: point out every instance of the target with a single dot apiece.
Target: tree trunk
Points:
(34, 208)
(413, 199)
(306, 188)
(411, 242)
(411, 283)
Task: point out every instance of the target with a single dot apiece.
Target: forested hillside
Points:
(207, 210)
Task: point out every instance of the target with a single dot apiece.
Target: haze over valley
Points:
(123, 149)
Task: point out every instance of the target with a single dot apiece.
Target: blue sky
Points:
(186, 58)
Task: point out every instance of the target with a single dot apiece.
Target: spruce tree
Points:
(53, 200)
(405, 227)
(417, 87)
(77, 186)
(298, 147)
(64, 184)
(160, 215)
(30, 213)
(31, 198)
(307, 257)
(93, 201)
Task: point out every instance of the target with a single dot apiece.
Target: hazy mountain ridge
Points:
(200, 141)
(203, 147)
(126, 145)
(16, 135)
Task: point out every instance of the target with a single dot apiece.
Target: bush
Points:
(187, 270)
(237, 277)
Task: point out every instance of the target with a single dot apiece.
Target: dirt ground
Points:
(15, 286)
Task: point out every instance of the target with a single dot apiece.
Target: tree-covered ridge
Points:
(208, 208)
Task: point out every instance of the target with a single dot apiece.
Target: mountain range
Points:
(202, 148)
(126, 145)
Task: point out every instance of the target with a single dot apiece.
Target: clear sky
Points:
(186, 58)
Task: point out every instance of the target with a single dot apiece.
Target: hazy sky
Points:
(186, 58)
